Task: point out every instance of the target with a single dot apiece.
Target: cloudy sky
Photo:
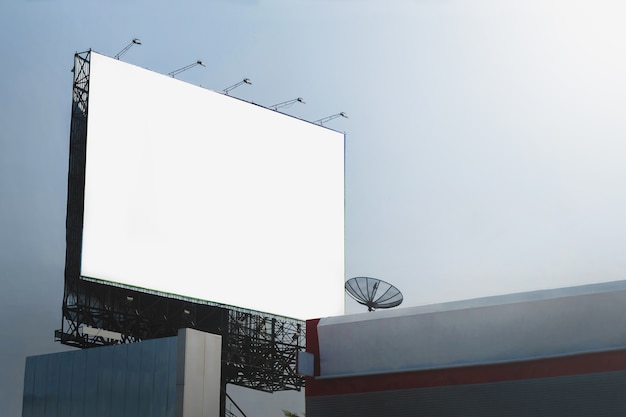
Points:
(485, 143)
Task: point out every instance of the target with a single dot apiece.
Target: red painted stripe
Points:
(539, 368)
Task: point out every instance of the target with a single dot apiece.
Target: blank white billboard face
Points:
(191, 192)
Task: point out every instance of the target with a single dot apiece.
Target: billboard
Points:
(195, 193)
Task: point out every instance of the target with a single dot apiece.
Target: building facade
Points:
(169, 377)
(544, 353)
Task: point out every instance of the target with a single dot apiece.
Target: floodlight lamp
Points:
(185, 68)
(288, 103)
(232, 87)
(328, 118)
(135, 41)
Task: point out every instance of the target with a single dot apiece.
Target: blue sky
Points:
(485, 143)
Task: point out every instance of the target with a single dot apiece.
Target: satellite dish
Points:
(373, 293)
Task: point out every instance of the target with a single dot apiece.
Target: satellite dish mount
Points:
(373, 293)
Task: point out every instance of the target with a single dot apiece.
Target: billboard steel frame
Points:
(259, 350)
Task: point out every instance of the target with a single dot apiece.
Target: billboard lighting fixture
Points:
(329, 118)
(232, 87)
(288, 103)
(174, 73)
(135, 41)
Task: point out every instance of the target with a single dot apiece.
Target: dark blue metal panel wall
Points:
(130, 380)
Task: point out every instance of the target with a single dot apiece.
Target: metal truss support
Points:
(259, 350)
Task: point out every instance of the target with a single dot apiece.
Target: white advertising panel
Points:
(191, 192)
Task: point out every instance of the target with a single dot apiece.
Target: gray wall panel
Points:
(92, 381)
(64, 391)
(198, 379)
(29, 389)
(146, 379)
(590, 395)
(105, 381)
(77, 403)
(163, 379)
(173, 365)
(40, 389)
(53, 387)
(133, 369)
(118, 384)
